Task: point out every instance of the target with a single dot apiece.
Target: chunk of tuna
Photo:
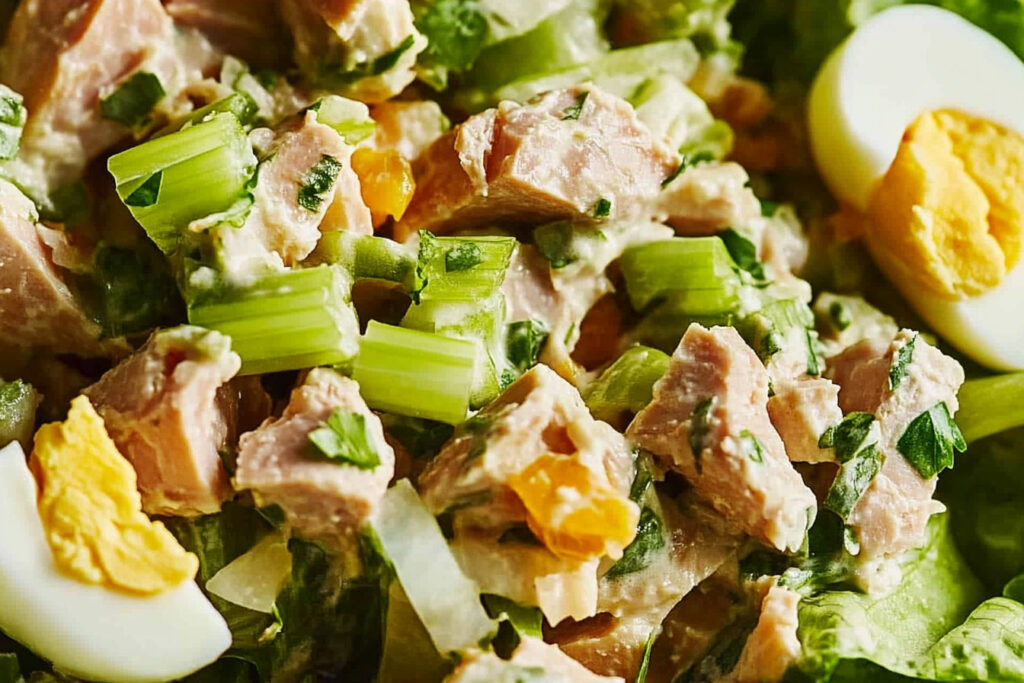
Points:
(64, 56)
(709, 421)
(408, 127)
(892, 515)
(321, 498)
(163, 408)
(707, 198)
(801, 410)
(36, 307)
(536, 163)
(251, 30)
(773, 645)
(532, 660)
(347, 44)
(282, 229)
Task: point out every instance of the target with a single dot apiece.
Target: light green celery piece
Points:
(626, 386)
(660, 19)
(932, 626)
(678, 115)
(620, 72)
(777, 325)
(12, 120)
(416, 373)
(697, 271)
(350, 118)
(367, 256)
(990, 405)
(192, 173)
(240, 104)
(286, 321)
(441, 279)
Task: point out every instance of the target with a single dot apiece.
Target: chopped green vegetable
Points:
(18, 402)
(331, 77)
(147, 194)
(10, 670)
(743, 252)
(991, 405)
(572, 112)
(448, 267)
(367, 256)
(688, 161)
(602, 208)
(456, 31)
(422, 438)
(840, 315)
(697, 272)
(903, 359)
(558, 242)
(627, 385)
(853, 479)
(350, 118)
(462, 256)
(136, 290)
(930, 440)
(317, 182)
(12, 121)
(856, 432)
(645, 661)
(133, 100)
(699, 427)
(649, 539)
(343, 436)
(751, 446)
(526, 620)
(524, 342)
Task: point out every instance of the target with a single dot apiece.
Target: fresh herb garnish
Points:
(813, 367)
(930, 441)
(146, 194)
(840, 315)
(344, 437)
(904, 357)
(131, 103)
(462, 256)
(573, 111)
(699, 427)
(555, 242)
(456, 32)
(769, 208)
(686, 162)
(524, 342)
(318, 182)
(12, 121)
(602, 208)
(852, 435)
(853, 479)
(376, 67)
(751, 446)
(743, 252)
(642, 481)
(649, 539)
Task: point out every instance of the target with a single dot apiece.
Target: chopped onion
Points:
(254, 579)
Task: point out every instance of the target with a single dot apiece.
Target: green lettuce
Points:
(704, 21)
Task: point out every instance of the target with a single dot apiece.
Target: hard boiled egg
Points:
(92, 629)
(916, 121)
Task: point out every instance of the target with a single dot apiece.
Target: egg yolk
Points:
(949, 213)
(386, 182)
(92, 512)
(575, 514)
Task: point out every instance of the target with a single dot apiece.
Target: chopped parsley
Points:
(573, 111)
(930, 439)
(687, 161)
(768, 208)
(524, 343)
(555, 242)
(456, 31)
(146, 194)
(462, 256)
(743, 252)
(699, 428)
(649, 539)
(345, 438)
(375, 67)
(133, 100)
(840, 315)
(813, 366)
(853, 479)
(12, 121)
(852, 435)
(422, 438)
(602, 208)
(642, 481)
(904, 357)
(318, 182)
(751, 446)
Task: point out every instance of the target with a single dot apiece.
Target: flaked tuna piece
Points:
(408, 127)
(289, 210)
(65, 55)
(892, 515)
(165, 410)
(537, 415)
(709, 421)
(321, 498)
(364, 48)
(772, 647)
(538, 162)
(801, 410)
(707, 198)
(251, 30)
(36, 307)
(532, 660)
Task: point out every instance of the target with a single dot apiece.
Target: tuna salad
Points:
(511, 341)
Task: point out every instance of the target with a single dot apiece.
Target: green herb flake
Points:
(699, 427)
(642, 481)
(743, 252)
(769, 208)
(524, 343)
(904, 357)
(853, 479)
(813, 367)
(344, 437)
(573, 111)
(602, 208)
(376, 67)
(462, 256)
(456, 32)
(751, 446)
(687, 161)
(318, 182)
(840, 315)
(555, 243)
(850, 436)
(638, 555)
(133, 100)
(146, 194)
(645, 661)
(12, 121)
(930, 441)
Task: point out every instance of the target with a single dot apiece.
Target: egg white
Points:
(91, 631)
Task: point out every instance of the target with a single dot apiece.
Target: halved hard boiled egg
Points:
(917, 122)
(93, 629)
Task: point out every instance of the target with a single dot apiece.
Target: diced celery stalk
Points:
(697, 272)
(620, 72)
(675, 113)
(772, 327)
(286, 321)
(204, 169)
(240, 104)
(366, 256)
(350, 118)
(627, 384)
(666, 322)
(991, 405)
(416, 373)
(476, 283)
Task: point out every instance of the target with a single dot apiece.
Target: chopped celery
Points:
(366, 256)
(200, 170)
(240, 104)
(697, 272)
(444, 270)
(627, 384)
(131, 103)
(286, 321)
(991, 405)
(675, 113)
(350, 118)
(778, 324)
(664, 325)
(18, 402)
(12, 121)
(416, 373)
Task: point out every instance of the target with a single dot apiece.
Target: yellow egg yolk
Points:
(92, 512)
(949, 214)
(572, 511)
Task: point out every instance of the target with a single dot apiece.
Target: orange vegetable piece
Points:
(386, 181)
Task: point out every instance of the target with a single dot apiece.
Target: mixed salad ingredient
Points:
(465, 341)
